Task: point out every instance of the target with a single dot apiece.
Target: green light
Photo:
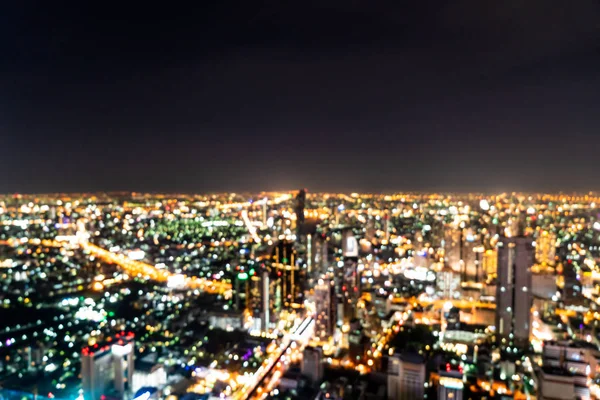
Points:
(252, 272)
(284, 260)
(243, 276)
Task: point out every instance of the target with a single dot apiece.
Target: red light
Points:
(447, 367)
(50, 395)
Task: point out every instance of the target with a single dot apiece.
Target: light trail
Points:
(269, 371)
(251, 228)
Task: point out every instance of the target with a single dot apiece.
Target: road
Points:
(132, 267)
(267, 376)
(139, 268)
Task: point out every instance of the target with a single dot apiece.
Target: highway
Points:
(270, 373)
(138, 268)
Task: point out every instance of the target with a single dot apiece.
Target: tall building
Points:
(299, 210)
(545, 247)
(347, 277)
(448, 283)
(489, 264)
(286, 274)
(325, 307)
(453, 241)
(406, 377)
(266, 300)
(312, 364)
(470, 258)
(108, 368)
(261, 300)
(513, 292)
(450, 385)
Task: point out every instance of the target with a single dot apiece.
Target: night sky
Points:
(331, 95)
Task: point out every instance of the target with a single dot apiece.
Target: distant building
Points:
(325, 300)
(450, 384)
(489, 264)
(470, 257)
(406, 377)
(347, 277)
(285, 275)
(555, 383)
(545, 247)
(448, 282)
(108, 368)
(513, 292)
(453, 241)
(580, 359)
(312, 364)
(148, 375)
(299, 210)
(570, 284)
(226, 320)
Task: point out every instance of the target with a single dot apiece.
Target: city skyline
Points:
(316, 200)
(298, 295)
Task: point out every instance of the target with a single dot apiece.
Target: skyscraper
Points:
(348, 277)
(325, 308)
(108, 368)
(260, 302)
(406, 377)
(453, 241)
(286, 272)
(545, 247)
(312, 363)
(299, 210)
(513, 292)
(450, 385)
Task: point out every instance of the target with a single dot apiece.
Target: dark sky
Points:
(326, 94)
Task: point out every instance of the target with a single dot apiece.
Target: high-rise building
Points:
(322, 255)
(299, 209)
(452, 247)
(470, 257)
(261, 300)
(266, 300)
(286, 274)
(108, 368)
(312, 363)
(348, 279)
(450, 385)
(513, 292)
(406, 377)
(545, 247)
(489, 264)
(325, 308)
(448, 283)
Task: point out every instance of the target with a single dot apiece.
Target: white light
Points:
(121, 350)
(136, 255)
(484, 205)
